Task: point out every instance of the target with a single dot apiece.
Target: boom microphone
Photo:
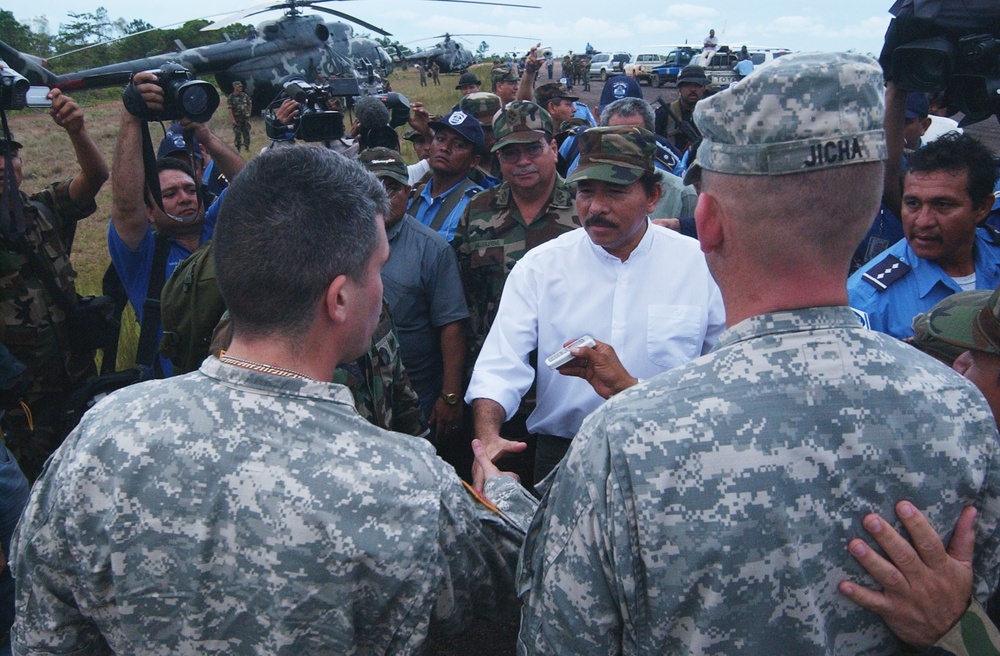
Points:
(371, 112)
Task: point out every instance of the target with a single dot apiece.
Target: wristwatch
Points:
(450, 399)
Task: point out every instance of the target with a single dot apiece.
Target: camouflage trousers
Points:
(241, 133)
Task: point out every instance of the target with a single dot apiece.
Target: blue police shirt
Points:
(429, 207)
(891, 311)
(135, 266)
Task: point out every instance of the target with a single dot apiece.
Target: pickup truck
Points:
(641, 69)
(675, 60)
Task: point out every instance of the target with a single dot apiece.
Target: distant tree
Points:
(482, 49)
(16, 34)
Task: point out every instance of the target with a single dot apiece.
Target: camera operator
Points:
(34, 268)
(289, 111)
(138, 224)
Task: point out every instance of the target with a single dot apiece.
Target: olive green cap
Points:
(616, 155)
(385, 163)
(966, 321)
(520, 122)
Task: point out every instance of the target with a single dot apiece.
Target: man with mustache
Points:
(947, 193)
(643, 289)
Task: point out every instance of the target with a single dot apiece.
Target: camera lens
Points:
(197, 100)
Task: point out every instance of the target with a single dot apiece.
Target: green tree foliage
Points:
(19, 35)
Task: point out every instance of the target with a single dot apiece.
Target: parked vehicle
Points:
(676, 59)
(642, 67)
(606, 64)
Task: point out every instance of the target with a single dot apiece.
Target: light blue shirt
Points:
(428, 207)
(891, 311)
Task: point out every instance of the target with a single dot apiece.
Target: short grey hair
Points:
(630, 107)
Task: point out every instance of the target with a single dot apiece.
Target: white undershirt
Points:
(967, 283)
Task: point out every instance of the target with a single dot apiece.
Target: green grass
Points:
(48, 157)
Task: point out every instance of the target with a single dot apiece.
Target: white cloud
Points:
(686, 12)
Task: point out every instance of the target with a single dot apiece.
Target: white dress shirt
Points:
(658, 309)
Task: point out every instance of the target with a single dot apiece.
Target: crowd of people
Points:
(377, 450)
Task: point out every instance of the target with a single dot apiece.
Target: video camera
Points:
(17, 93)
(398, 106)
(183, 96)
(319, 119)
(954, 47)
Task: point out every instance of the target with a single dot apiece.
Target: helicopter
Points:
(450, 55)
(294, 45)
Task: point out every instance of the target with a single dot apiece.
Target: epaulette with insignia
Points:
(886, 272)
(992, 231)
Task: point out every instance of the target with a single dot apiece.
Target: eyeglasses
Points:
(513, 153)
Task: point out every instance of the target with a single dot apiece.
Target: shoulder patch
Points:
(886, 272)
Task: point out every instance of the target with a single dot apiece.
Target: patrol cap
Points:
(464, 124)
(692, 74)
(467, 79)
(617, 155)
(571, 123)
(520, 121)
(237, 83)
(551, 91)
(411, 135)
(503, 74)
(804, 112)
(385, 163)
(9, 146)
(616, 88)
(174, 142)
(481, 104)
(966, 321)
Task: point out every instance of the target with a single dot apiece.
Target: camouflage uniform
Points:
(34, 328)
(228, 511)
(240, 107)
(379, 383)
(708, 510)
(492, 235)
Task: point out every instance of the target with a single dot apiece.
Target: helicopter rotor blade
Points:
(130, 35)
(353, 19)
(236, 17)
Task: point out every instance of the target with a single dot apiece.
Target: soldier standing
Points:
(749, 470)
(436, 73)
(36, 233)
(239, 114)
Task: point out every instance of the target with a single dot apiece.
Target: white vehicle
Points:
(719, 64)
(606, 64)
(642, 67)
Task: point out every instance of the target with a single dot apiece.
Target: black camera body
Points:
(398, 106)
(183, 96)
(933, 46)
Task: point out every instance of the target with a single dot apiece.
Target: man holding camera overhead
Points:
(37, 235)
(140, 226)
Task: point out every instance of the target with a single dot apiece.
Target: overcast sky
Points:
(643, 25)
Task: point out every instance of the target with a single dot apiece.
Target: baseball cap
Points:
(551, 91)
(385, 163)
(466, 79)
(917, 105)
(617, 155)
(464, 124)
(481, 104)
(804, 112)
(9, 147)
(692, 74)
(520, 121)
(966, 321)
(616, 88)
(174, 142)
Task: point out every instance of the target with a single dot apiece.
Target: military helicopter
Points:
(451, 56)
(292, 45)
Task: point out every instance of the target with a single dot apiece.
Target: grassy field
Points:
(48, 157)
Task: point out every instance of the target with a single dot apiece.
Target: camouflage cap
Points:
(551, 91)
(571, 123)
(964, 321)
(804, 112)
(411, 134)
(503, 74)
(385, 163)
(482, 104)
(617, 155)
(237, 83)
(520, 122)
